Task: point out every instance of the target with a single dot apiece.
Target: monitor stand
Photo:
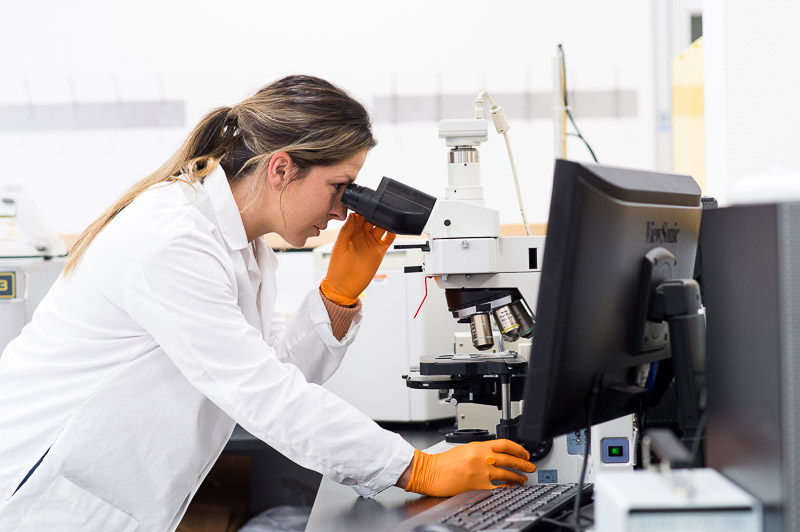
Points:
(676, 303)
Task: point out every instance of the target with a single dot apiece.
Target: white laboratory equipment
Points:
(689, 500)
(32, 257)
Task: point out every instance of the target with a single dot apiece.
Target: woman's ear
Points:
(279, 169)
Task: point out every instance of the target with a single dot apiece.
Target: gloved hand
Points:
(356, 255)
(468, 467)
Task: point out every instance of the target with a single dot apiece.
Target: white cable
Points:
(479, 106)
(479, 103)
(501, 125)
(516, 184)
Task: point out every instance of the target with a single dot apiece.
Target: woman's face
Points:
(310, 202)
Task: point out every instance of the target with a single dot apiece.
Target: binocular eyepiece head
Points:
(396, 207)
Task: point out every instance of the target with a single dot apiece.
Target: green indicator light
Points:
(615, 451)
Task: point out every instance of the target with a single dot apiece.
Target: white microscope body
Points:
(467, 253)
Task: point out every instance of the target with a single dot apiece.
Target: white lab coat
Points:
(134, 371)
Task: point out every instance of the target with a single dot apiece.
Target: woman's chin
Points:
(297, 242)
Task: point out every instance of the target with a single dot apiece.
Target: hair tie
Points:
(230, 127)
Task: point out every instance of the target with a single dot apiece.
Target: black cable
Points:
(576, 528)
(576, 509)
(565, 513)
(698, 435)
(591, 151)
(590, 406)
(566, 106)
(639, 423)
(563, 74)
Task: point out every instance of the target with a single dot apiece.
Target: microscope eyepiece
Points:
(393, 206)
(351, 195)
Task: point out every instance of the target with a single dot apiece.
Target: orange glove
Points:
(356, 255)
(468, 467)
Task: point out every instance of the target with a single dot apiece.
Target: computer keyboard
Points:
(512, 508)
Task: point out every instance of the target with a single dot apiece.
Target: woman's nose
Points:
(339, 210)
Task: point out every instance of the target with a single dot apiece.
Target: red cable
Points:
(425, 296)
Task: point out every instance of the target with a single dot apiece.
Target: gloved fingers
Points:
(376, 232)
(380, 234)
(512, 462)
(505, 475)
(509, 447)
(388, 238)
(353, 221)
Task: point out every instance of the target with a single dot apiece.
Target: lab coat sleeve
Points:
(181, 291)
(307, 341)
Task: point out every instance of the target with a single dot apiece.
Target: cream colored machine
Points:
(390, 341)
(32, 256)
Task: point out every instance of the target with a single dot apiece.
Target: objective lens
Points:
(507, 323)
(481, 329)
(524, 319)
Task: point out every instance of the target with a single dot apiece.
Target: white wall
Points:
(211, 53)
(751, 99)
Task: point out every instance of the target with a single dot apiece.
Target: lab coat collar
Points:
(225, 208)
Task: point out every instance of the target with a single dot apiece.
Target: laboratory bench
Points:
(275, 481)
(337, 508)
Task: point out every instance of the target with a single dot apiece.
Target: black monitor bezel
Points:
(572, 180)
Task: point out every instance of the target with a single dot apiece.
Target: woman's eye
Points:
(338, 186)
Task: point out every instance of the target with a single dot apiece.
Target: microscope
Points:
(491, 284)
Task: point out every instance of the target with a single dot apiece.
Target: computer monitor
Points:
(591, 331)
(751, 263)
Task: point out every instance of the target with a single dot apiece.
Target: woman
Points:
(161, 335)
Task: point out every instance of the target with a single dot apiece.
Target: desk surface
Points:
(338, 508)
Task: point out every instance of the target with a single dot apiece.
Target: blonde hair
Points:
(315, 122)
